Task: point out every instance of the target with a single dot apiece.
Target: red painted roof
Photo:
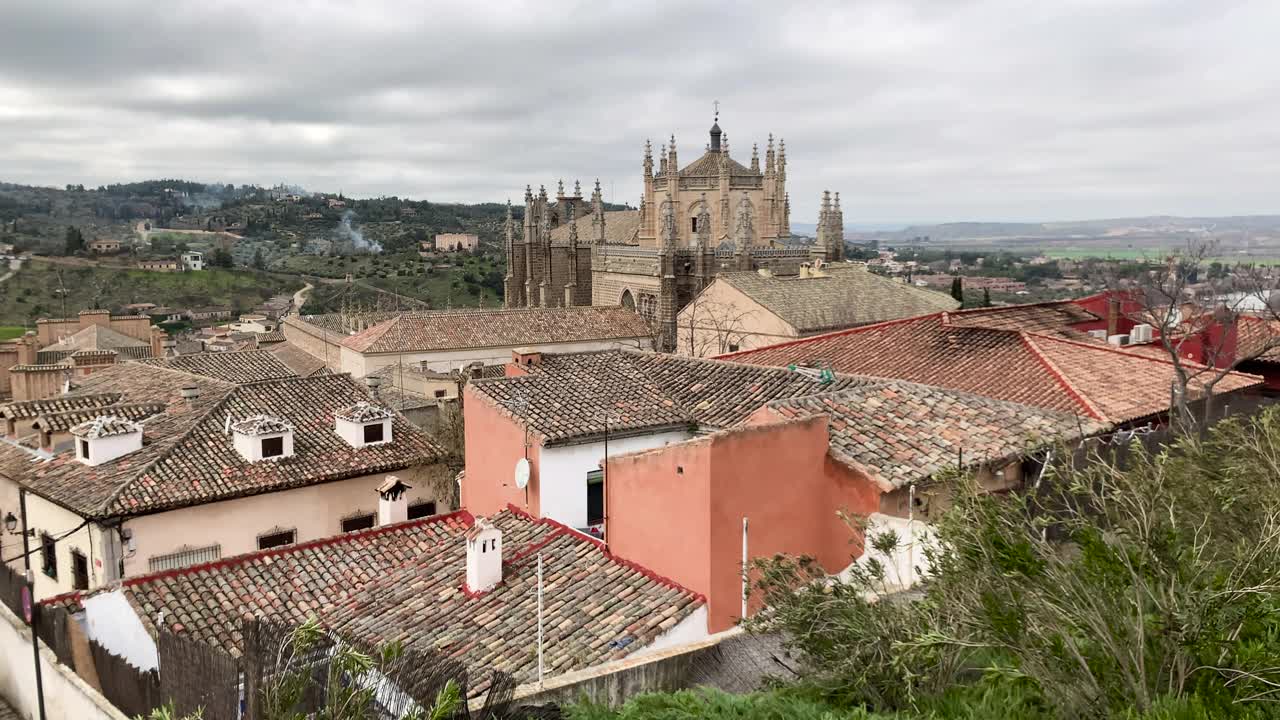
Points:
(1048, 371)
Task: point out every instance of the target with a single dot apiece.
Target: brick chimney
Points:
(89, 318)
(393, 507)
(1113, 314)
(484, 556)
(158, 338)
(28, 347)
(526, 356)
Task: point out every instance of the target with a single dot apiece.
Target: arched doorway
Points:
(628, 302)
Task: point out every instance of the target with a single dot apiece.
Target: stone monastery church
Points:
(711, 215)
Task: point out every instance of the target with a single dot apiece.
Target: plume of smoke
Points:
(354, 236)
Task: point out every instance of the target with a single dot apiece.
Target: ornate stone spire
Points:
(782, 155)
(768, 156)
(573, 227)
(704, 223)
(648, 159)
(560, 189)
(528, 194)
(597, 218)
(675, 164)
(577, 189)
(668, 223)
(662, 159)
(724, 143)
(755, 157)
(715, 135)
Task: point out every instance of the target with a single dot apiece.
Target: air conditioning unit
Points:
(1118, 340)
(1143, 333)
(1098, 334)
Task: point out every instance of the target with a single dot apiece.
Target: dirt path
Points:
(301, 297)
(14, 266)
(145, 234)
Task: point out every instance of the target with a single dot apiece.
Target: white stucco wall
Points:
(313, 512)
(907, 565)
(360, 364)
(65, 694)
(112, 622)
(106, 449)
(562, 472)
(688, 630)
(93, 541)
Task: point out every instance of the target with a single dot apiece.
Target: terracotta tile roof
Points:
(620, 228)
(64, 421)
(709, 166)
(7, 712)
(300, 361)
(96, 337)
(845, 296)
(270, 338)
(24, 409)
(604, 609)
(105, 426)
(262, 425)
(899, 433)
(1086, 378)
(239, 367)
(446, 330)
(406, 582)
(187, 459)
(566, 397)
(1046, 317)
(363, 412)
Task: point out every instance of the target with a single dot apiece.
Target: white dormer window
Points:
(106, 438)
(363, 424)
(263, 437)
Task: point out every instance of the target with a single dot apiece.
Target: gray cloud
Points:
(916, 110)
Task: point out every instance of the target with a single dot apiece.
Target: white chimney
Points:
(484, 556)
(393, 507)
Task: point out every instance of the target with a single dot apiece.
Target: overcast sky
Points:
(920, 110)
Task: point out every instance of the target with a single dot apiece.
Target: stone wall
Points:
(65, 694)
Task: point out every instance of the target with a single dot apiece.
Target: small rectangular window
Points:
(441, 393)
(48, 556)
(276, 539)
(357, 522)
(79, 571)
(693, 224)
(373, 433)
(272, 447)
(421, 510)
(595, 497)
(84, 449)
(733, 347)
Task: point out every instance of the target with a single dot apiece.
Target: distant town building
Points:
(59, 351)
(971, 282)
(104, 246)
(457, 242)
(168, 265)
(193, 260)
(741, 310)
(444, 340)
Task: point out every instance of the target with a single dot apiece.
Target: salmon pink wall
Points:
(495, 441)
(659, 511)
(678, 510)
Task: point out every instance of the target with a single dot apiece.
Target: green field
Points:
(9, 332)
(1151, 253)
(44, 289)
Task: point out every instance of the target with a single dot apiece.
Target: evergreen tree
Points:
(75, 241)
(957, 289)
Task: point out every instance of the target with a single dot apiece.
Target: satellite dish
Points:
(522, 473)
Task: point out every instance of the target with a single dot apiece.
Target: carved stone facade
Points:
(714, 214)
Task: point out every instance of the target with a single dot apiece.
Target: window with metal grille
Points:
(79, 571)
(421, 510)
(373, 433)
(48, 555)
(357, 522)
(184, 557)
(272, 447)
(276, 539)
